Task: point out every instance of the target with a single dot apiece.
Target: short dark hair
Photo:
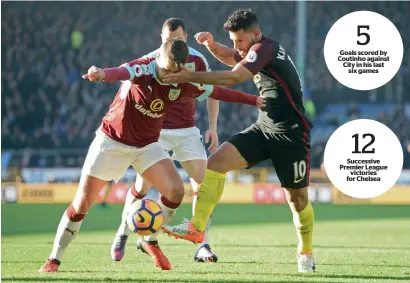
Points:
(176, 50)
(173, 24)
(241, 19)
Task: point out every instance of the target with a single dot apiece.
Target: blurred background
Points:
(50, 114)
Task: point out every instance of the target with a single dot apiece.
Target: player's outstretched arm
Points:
(221, 52)
(238, 75)
(110, 75)
(235, 96)
(259, 55)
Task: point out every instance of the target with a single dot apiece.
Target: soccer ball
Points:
(145, 217)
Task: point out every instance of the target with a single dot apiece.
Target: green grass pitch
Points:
(255, 243)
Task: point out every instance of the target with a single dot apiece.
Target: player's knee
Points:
(216, 163)
(82, 202)
(142, 186)
(297, 199)
(176, 192)
(81, 206)
(197, 179)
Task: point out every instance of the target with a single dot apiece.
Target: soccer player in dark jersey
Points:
(179, 135)
(129, 134)
(280, 134)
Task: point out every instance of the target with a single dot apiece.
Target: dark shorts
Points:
(290, 153)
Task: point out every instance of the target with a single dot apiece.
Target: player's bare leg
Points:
(225, 159)
(303, 218)
(72, 219)
(196, 171)
(137, 191)
(164, 176)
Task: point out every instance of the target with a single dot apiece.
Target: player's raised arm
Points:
(221, 52)
(116, 74)
(127, 71)
(258, 56)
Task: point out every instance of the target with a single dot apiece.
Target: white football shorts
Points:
(108, 159)
(186, 143)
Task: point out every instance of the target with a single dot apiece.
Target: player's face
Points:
(165, 66)
(178, 33)
(243, 41)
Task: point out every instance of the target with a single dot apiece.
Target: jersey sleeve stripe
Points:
(130, 70)
(208, 89)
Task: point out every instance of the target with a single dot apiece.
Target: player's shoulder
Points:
(268, 40)
(144, 66)
(196, 60)
(265, 42)
(263, 48)
(151, 55)
(145, 61)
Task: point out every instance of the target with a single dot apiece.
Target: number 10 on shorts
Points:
(299, 171)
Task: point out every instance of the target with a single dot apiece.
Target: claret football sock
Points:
(304, 221)
(210, 192)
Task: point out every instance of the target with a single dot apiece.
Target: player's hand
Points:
(94, 74)
(204, 38)
(260, 102)
(212, 135)
(182, 76)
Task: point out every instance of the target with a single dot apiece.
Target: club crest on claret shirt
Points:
(190, 66)
(174, 94)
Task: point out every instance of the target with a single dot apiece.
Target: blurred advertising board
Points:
(398, 194)
(274, 193)
(65, 192)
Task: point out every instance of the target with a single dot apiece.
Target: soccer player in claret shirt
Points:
(180, 136)
(129, 136)
(282, 131)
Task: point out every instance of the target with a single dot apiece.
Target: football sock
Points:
(304, 221)
(207, 229)
(169, 209)
(132, 195)
(67, 230)
(210, 192)
(208, 224)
